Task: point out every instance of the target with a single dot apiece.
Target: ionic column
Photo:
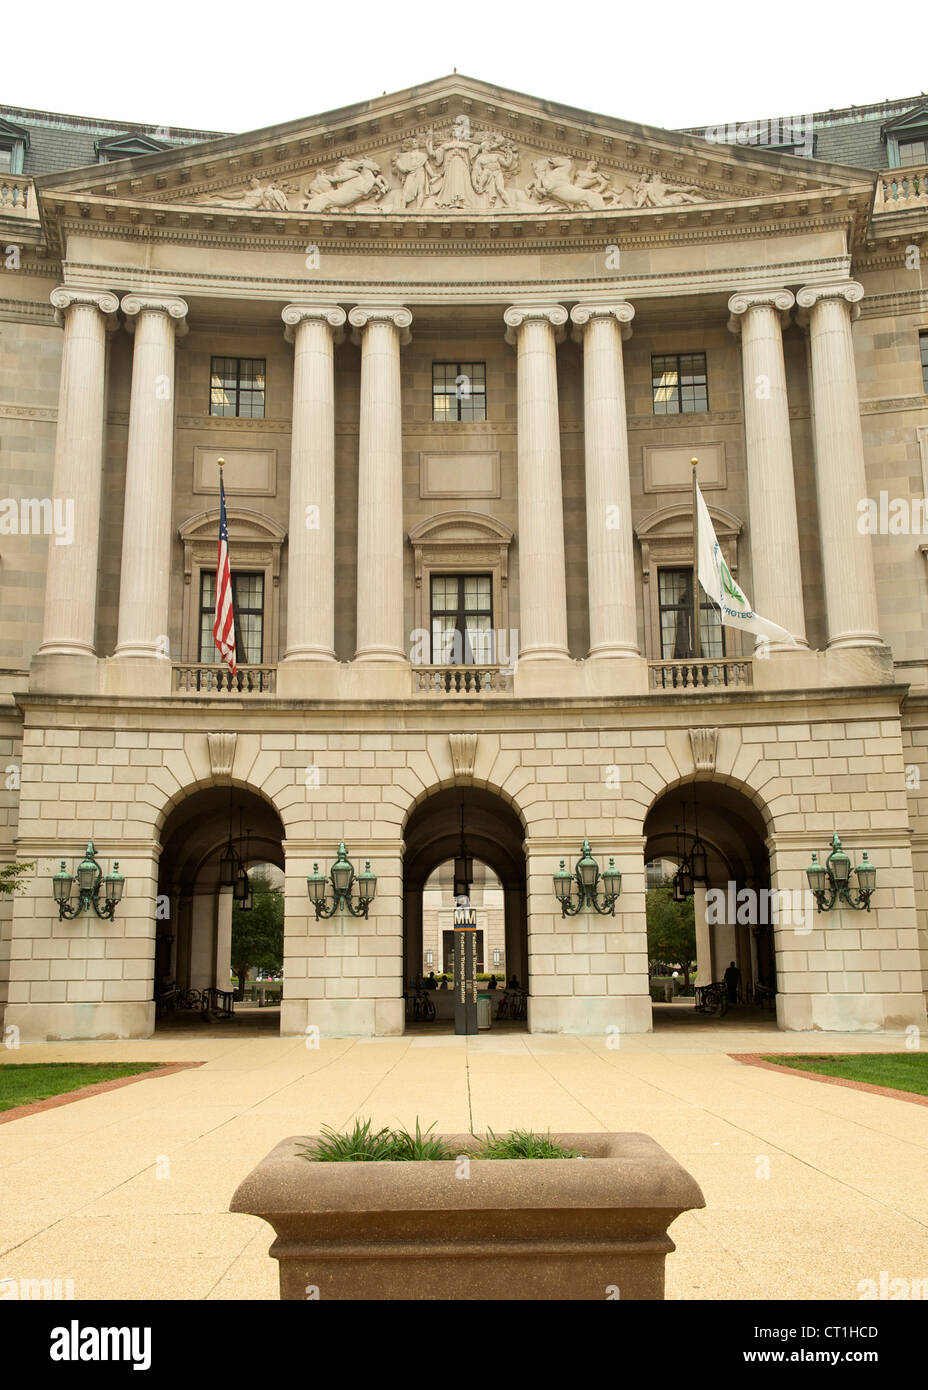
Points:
(381, 630)
(777, 581)
(840, 477)
(71, 581)
(542, 573)
(609, 535)
(313, 330)
(146, 530)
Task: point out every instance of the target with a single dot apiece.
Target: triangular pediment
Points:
(452, 148)
(916, 119)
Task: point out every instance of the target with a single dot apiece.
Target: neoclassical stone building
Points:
(457, 347)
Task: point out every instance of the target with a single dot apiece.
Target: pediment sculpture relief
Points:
(460, 170)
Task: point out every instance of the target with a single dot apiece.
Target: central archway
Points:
(194, 938)
(495, 835)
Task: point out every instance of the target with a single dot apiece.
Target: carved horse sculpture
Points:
(554, 181)
(350, 182)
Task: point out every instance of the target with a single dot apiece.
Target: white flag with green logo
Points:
(720, 586)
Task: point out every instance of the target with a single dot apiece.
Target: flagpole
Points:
(697, 642)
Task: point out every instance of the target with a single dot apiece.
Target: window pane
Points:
(459, 391)
(6, 159)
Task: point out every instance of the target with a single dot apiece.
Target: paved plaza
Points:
(126, 1193)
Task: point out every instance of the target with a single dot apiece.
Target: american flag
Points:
(224, 625)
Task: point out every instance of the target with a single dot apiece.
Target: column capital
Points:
(295, 314)
(850, 291)
(65, 298)
(518, 314)
(170, 305)
(364, 314)
(742, 301)
(621, 311)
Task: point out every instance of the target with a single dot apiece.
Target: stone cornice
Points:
(794, 215)
(608, 288)
(26, 311)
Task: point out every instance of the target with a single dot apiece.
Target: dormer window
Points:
(907, 140)
(912, 152)
(127, 147)
(14, 142)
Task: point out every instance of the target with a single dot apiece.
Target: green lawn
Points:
(21, 1084)
(903, 1071)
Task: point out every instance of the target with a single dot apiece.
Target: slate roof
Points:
(849, 135)
(57, 142)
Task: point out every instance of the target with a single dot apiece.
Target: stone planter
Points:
(590, 1228)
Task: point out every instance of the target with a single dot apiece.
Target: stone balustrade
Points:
(17, 197)
(901, 190)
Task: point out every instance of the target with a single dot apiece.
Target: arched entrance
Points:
(193, 944)
(733, 906)
(494, 836)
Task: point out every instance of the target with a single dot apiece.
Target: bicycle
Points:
(423, 1010)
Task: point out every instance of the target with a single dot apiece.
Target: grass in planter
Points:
(522, 1143)
(364, 1144)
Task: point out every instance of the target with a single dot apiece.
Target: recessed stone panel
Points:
(248, 472)
(670, 470)
(459, 474)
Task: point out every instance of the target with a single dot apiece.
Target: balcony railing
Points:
(17, 197)
(901, 190)
(699, 675)
(462, 680)
(218, 680)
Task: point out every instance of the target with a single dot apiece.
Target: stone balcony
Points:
(18, 206)
(901, 190)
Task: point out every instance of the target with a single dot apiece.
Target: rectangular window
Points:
(459, 391)
(679, 383)
(923, 345)
(6, 159)
(913, 152)
(248, 602)
(237, 387)
(462, 619)
(676, 616)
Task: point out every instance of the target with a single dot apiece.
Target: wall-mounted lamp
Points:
(342, 880)
(586, 876)
(837, 871)
(89, 880)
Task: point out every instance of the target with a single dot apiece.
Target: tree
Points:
(12, 876)
(671, 929)
(258, 935)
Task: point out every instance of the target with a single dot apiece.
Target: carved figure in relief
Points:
(351, 181)
(555, 181)
(257, 197)
(454, 158)
(652, 191)
(418, 172)
(495, 159)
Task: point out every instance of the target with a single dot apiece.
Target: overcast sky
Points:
(236, 66)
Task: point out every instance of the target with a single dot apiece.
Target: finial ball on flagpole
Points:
(221, 462)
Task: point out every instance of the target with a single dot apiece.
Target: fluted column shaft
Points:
(840, 476)
(609, 534)
(777, 577)
(311, 547)
(71, 580)
(542, 572)
(146, 531)
(381, 629)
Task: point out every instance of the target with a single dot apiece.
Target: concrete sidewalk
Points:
(810, 1188)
